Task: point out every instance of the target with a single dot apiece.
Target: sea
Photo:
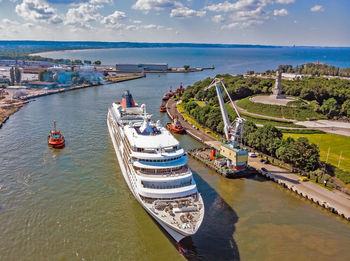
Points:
(73, 204)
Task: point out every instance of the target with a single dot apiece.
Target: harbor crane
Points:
(236, 156)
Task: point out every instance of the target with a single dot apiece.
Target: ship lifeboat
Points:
(55, 139)
(175, 126)
(162, 108)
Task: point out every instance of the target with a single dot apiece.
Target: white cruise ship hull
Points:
(177, 234)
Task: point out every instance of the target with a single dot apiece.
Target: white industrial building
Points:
(130, 67)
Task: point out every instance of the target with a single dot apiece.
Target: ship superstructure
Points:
(155, 168)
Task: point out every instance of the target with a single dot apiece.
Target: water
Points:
(73, 204)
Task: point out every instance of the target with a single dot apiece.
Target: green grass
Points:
(201, 103)
(278, 111)
(336, 144)
(302, 131)
(262, 120)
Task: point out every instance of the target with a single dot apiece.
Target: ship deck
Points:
(185, 214)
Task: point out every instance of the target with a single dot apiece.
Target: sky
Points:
(266, 22)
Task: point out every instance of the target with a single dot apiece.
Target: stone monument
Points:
(277, 90)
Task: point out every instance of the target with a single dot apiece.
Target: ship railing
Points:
(166, 173)
(183, 184)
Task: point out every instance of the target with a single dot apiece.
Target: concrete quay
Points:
(335, 201)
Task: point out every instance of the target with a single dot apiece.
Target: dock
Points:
(203, 155)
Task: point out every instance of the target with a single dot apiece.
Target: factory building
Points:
(125, 67)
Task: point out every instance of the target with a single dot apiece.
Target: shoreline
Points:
(9, 109)
(336, 202)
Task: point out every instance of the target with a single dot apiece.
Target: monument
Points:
(277, 90)
(276, 98)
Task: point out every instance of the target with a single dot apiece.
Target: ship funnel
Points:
(127, 100)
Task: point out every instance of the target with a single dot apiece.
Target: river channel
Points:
(73, 204)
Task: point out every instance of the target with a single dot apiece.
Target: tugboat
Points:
(162, 108)
(168, 95)
(180, 89)
(175, 126)
(165, 97)
(55, 139)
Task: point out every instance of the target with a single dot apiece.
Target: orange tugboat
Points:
(175, 126)
(55, 139)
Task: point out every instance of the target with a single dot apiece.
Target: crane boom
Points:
(233, 134)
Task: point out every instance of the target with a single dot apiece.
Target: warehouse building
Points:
(128, 67)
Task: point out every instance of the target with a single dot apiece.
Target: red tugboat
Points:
(162, 108)
(180, 89)
(55, 139)
(168, 95)
(175, 126)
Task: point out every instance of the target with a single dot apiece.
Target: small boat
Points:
(55, 139)
(162, 108)
(165, 97)
(180, 89)
(175, 126)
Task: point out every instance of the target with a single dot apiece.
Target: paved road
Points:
(335, 199)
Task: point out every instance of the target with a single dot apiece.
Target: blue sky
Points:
(276, 22)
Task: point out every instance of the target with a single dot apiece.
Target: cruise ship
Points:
(155, 168)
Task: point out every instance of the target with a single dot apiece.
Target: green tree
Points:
(12, 76)
(330, 108)
(345, 108)
(18, 75)
(41, 74)
(98, 62)
(186, 67)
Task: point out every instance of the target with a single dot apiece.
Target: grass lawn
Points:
(279, 111)
(335, 143)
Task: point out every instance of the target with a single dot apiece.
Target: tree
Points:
(345, 108)
(87, 62)
(186, 67)
(18, 75)
(41, 74)
(97, 62)
(12, 76)
(330, 108)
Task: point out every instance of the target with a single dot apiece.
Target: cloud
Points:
(237, 6)
(114, 18)
(185, 12)
(38, 11)
(81, 16)
(245, 24)
(281, 12)
(218, 19)
(256, 14)
(317, 8)
(148, 5)
(285, 2)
